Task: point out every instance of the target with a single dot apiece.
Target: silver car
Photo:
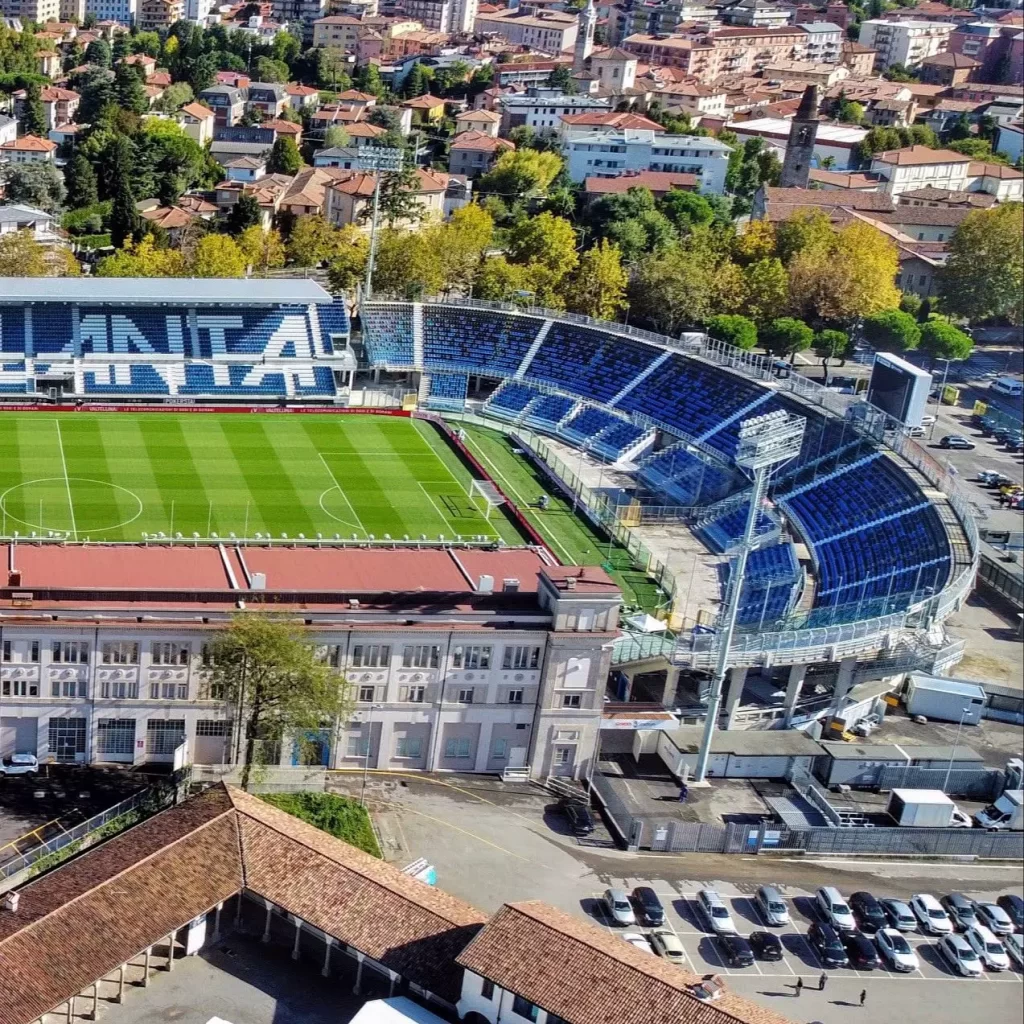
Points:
(771, 905)
(715, 912)
(617, 906)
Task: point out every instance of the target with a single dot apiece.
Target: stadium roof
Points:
(179, 291)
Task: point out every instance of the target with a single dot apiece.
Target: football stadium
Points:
(248, 420)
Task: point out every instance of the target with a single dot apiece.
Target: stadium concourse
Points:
(864, 544)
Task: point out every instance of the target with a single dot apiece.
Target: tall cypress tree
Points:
(33, 117)
(125, 222)
(81, 183)
(129, 90)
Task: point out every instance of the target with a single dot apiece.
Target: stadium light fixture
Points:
(379, 160)
(764, 443)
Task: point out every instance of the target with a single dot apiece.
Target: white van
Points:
(1007, 386)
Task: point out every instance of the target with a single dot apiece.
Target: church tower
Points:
(587, 20)
(796, 168)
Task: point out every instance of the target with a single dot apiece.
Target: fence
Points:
(970, 783)
(264, 778)
(937, 842)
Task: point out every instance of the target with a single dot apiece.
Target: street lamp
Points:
(377, 159)
(366, 756)
(949, 770)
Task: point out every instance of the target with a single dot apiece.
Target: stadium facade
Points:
(865, 543)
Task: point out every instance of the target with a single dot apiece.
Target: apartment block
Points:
(905, 42)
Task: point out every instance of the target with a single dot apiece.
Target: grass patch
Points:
(338, 816)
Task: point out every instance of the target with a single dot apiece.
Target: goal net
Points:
(485, 497)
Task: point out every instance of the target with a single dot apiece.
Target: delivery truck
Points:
(1006, 814)
(921, 808)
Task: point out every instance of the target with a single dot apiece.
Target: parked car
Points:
(896, 951)
(957, 441)
(827, 945)
(986, 477)
(666, 943)
(860, 951)
(1013, 907)
(648, 906)
(638, 941)
(1015, 947)
(991, 952)
(581, 821)
(771, 905)
(715, 912)
(930, 915)
(994, 918)
(868, 911)
(928, 421)
(735, 950)
(834, 909)
(766, 945)
(960, 909)
(618, 907)
(19, 764)
(900, 916)
(960, 955)
(998, 480)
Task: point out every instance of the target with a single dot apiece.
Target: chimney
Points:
(11, 901)
(570, 582)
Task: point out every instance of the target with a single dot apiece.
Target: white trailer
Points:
(921, 808)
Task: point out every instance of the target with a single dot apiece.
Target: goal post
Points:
(485, 497)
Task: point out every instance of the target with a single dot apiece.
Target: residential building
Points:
(929, 196)
(49, 63)
(40, 11)
(72, 10)
(302, 97)
(21, 217)
(778, 204)
(891, 113)
(905, 42)
(198, 121)
(598, 122)
(198, 10)
(425, 109)
(919, 264)
(647, 17)
(693, 98)
(548, 31)
(751, 13)
(350, 197)
(472, 153)
(339, 31)
(300, 15)
(615, 70)
(806, 71)
(226, 102)
(59, 105)
(837, 13)
(121, 11)
(344, 157)
(268, 97)
(838, 141)
(8, 129)
(543, 109)
(948, 68)
(246, 168)
(995, 46)
(917, 166)
(824, 42)
(1003, 182)
(1011, 140)
(659, 183)
(924, 223)
(29, 149)
(860, 59)
(450, 16)
(485, 121)
(615, 153)
(155, 15)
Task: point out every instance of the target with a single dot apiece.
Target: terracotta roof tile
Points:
(915, 155)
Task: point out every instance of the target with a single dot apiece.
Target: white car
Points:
(20, 764)
(994, 918)
(960, 955)
(1015, 947)
(896, 951)
(928, 910)
(835, 910)
(772, 906)
(715, 912)
(990, 950)
(666, 943)
(618, 907)
(639, 941)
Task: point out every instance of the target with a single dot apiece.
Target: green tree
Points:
(128, 89)
(125, 222)
(142, 259)
(765, 289)
(33, 116)
(546, 240)
(270, 671)
(269, 70)
(733, 330)
(37, 184)
(519, 174)
(597, 287)
(245, 214)
(786, 336)
(217, 256)
(336, 137)
(80, 179)
(263, 250)
(175, 96)
(561, 79)
(831, 344)
(417, 82)
(22, 256)
(849, 111)
(347, 266)
(502, 281)
(285, 157)
(312, 241)
(891, 330)
(98, 53)
(984, 273)
(976, 149)
(941, 340)
(686, 210)
(673, 289)
(407, 265)
(462, 242)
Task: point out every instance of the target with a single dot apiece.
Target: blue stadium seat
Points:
(547, 412)
(489, 343)
(510, 400)
(689, 478)
(387, 334)
(770, 585)
(447, 391)
(726, 531)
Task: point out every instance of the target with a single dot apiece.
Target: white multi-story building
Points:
(456, 16)
(550, 31)
(543, 109)
(615, 153)
(198, 10)
(904, 42)
(40, 11)
(123, 11)
(902, 170)
(466, 660)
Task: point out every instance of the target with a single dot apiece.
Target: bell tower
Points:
(796, 168)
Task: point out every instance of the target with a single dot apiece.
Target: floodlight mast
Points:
(764, 442)
(377, 159)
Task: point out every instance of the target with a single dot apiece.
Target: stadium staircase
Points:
(640, 378)
(417, 334)
(533, 349)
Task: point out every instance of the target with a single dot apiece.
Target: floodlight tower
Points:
(377, 159)
(764, 442)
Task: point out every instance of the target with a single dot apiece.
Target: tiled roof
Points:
(855, 199)
(930, 194)
(656, 181)
(612, 119)
(480, 142)
(426, 102)
(918, 155)
(925, 216)
(949, 59)
(580, 972)
(282, 127)
(31, 144)
(1004, 171)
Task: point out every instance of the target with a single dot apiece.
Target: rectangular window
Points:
(499, 750)
(371, 655)
(521, 657)
(330, 654)
(209, 690)
(524, 1008)
(119, 689)
(68, 688)
(122, 652)
(563, 755)
(164, 735)
(7, 650)
(115, 736)
(570, 700)
(466, 695)
(212, 727)
(169, 691)
(357, 746)
(457, 747)
(67, 738)
(515, 696)
(413, 694)
(421, 656)
(471, 657)
(170, 654)
(69, 652)
(408, 746)
(33, 652)
(367, 693)
(487, 989)
(20, 688)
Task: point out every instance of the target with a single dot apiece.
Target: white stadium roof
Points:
(177, 291)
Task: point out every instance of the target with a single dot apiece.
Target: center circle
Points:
(53, 494)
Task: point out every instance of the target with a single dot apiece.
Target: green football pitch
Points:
(117, 476)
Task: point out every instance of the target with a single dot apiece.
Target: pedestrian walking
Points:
(799, 986)
(821, 981)
(684, 792)
(863, 995)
